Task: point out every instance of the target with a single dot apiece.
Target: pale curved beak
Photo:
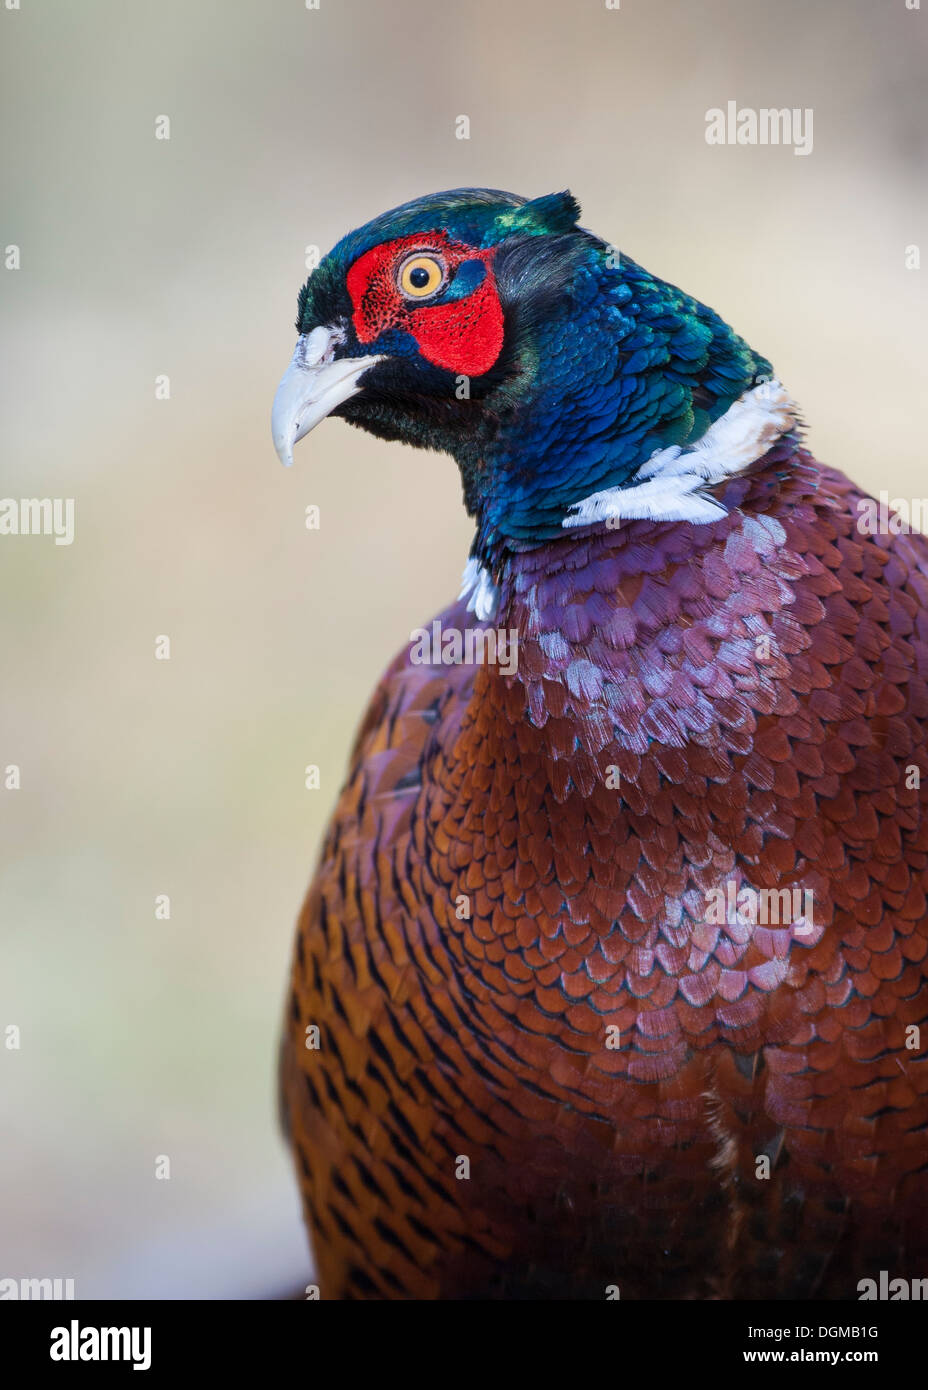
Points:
(312, 386)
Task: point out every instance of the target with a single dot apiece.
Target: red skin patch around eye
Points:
(464, 336)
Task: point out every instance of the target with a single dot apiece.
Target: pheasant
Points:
(611, 977)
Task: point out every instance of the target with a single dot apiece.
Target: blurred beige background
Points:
(141, 257)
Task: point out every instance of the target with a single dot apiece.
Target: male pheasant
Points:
(615, 954)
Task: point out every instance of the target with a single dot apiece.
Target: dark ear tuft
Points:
(552, 213)
(558, 211)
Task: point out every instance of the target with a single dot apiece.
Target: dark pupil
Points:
(419, 277)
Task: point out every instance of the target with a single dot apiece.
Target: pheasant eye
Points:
(420, 276)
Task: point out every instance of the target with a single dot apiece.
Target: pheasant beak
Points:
(312, 386)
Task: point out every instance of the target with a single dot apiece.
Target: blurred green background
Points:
(142, 257)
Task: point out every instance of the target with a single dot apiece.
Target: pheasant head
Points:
(570, 385)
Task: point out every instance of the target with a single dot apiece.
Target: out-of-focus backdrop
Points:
(142, 258)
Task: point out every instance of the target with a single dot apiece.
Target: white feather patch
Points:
(671, 479)
(484, 595)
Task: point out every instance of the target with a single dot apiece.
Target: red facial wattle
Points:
(464, 335)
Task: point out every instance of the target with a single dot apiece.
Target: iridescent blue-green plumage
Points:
(625, 365)
(602, 364)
